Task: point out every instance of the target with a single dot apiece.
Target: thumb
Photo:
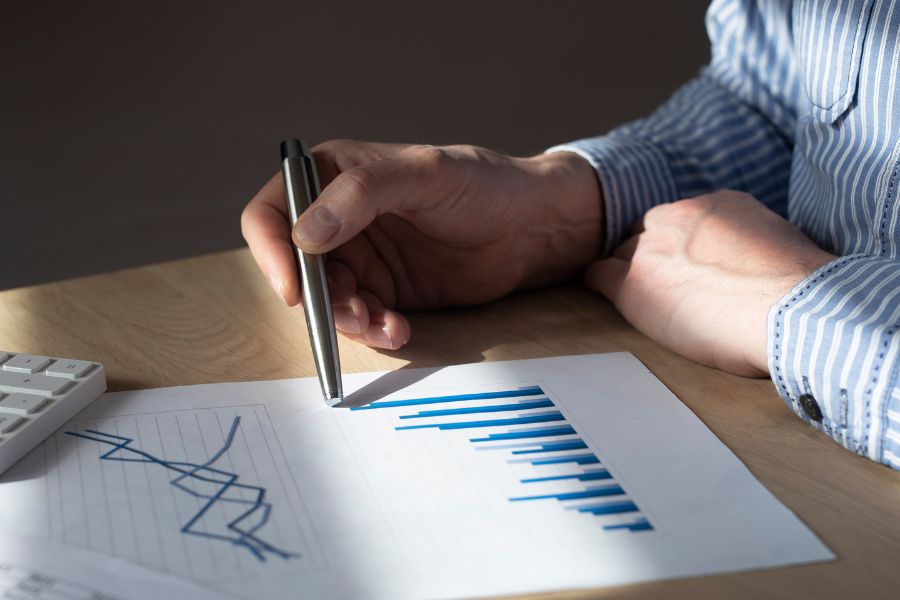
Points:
(607, 277)
(356, 196)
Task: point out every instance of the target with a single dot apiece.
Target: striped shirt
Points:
(800, 107)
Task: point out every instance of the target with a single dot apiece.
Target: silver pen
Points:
(301, 182)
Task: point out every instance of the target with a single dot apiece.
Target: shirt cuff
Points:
(634, 177)
(834, 352)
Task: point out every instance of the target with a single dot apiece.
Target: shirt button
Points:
(810, 408)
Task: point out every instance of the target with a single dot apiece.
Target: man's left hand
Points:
(700, 275)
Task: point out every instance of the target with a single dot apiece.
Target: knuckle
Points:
(430, 158)
(689, 207)
(333, 149)
(331, 146)
(360, 182)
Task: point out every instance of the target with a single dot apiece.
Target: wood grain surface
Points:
(214, 319)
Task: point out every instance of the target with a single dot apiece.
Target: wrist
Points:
(798, 271)
(565, 231)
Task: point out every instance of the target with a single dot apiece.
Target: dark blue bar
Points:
(610, 508)
(639, 525)
(556, 416)
(527, 433)
(581, 459)
(599, 492)
(555, 447)
(529, 391)
(589, 476)
(542, 403)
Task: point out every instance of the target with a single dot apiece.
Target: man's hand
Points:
(415, 227)
(699, 276)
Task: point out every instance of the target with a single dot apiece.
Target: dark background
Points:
(134, 132)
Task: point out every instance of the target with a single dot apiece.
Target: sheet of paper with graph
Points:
(473, 480)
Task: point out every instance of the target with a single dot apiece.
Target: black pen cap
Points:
(291, 149)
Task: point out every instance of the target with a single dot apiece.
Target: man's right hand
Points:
(418, 227)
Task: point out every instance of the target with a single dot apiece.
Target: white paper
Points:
(32, 569)
(260, 490)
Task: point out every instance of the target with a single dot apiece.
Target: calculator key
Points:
(69, 369)
(22, 404)
(9, 422)
(26, 383)
(26, 363)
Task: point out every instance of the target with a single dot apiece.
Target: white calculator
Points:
(38, 394)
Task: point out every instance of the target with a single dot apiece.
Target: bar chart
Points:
(527, 429)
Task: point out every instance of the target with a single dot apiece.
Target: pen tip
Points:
(333, 399)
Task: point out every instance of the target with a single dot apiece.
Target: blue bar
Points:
(639, 525)
(588, 476)
(558, 416)
(609, 508)
(522, 434)
(555, 447)
(599, 492)
(581, 459)
(542, 403)
(529, 391)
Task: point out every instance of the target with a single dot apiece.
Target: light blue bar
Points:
(594, 475)
(639, 525)
(581, 459)
(521, 434)
(610, 490)
(608, 508)
(539, 403)
(492, 423)
(530, 444)
(555, 447)
(509, 446)
(529, 391)
(545, 412)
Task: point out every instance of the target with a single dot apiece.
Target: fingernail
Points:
(381, 337)
(345, 320)
(318, 226)
(277, 285)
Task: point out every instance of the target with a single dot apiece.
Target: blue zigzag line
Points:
(203, 472)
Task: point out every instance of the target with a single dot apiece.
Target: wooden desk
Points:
(212, 319)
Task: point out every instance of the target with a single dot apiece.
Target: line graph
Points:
(203, 493)
(192, 478)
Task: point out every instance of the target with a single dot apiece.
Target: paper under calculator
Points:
(38, 394)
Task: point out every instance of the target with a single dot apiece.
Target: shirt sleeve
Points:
(834, 353)
(731, 127)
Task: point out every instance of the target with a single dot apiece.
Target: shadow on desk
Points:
(512, 328)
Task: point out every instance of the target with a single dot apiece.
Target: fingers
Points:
(362, 181)
(264, 224)
(360, 315)
(386, 328)
(361, 193)
(607, 277)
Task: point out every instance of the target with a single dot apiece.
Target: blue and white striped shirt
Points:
(800, 107)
